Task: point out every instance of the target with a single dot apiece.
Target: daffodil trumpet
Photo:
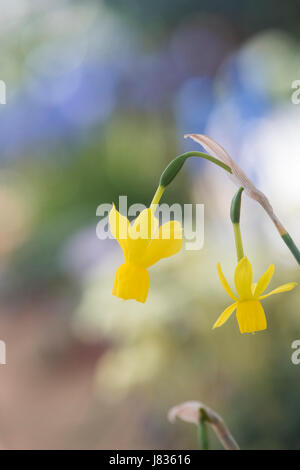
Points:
(143, 244)
(247, 303)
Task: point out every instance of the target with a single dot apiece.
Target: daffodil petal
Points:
(253, 287)
(264, 281)
(278, 290)
(166, 242)
(140, 235)
(144, 226)
(251, 316)
(119, 226)
(243, 278)
(225, 283)
(225, 315)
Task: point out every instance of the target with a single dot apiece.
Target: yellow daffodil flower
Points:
(250, 313)
(143, 244)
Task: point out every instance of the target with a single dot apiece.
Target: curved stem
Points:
(205, 156)
(175, 166)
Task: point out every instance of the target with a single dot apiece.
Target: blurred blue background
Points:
(99, 96)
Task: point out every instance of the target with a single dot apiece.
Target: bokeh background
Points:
(99, 96)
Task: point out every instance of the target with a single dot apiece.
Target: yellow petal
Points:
(225, 315)
(140, 235)
(166, 242)
(278, 290)
(253, 287)
(251, 316)
(131, 282)
(264, 281)
(119, 226)
(144, 226)
(225, 283)
(243, 279)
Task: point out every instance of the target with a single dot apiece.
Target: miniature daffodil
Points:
(249, 311)
(143, 244)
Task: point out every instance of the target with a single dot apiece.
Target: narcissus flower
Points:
(143, 244)
(250, 313)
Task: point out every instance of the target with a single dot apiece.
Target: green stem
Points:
(202, 431)
(175, 166)
(235, 213)
(157, 196)
(291, 245)
(238, 241)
